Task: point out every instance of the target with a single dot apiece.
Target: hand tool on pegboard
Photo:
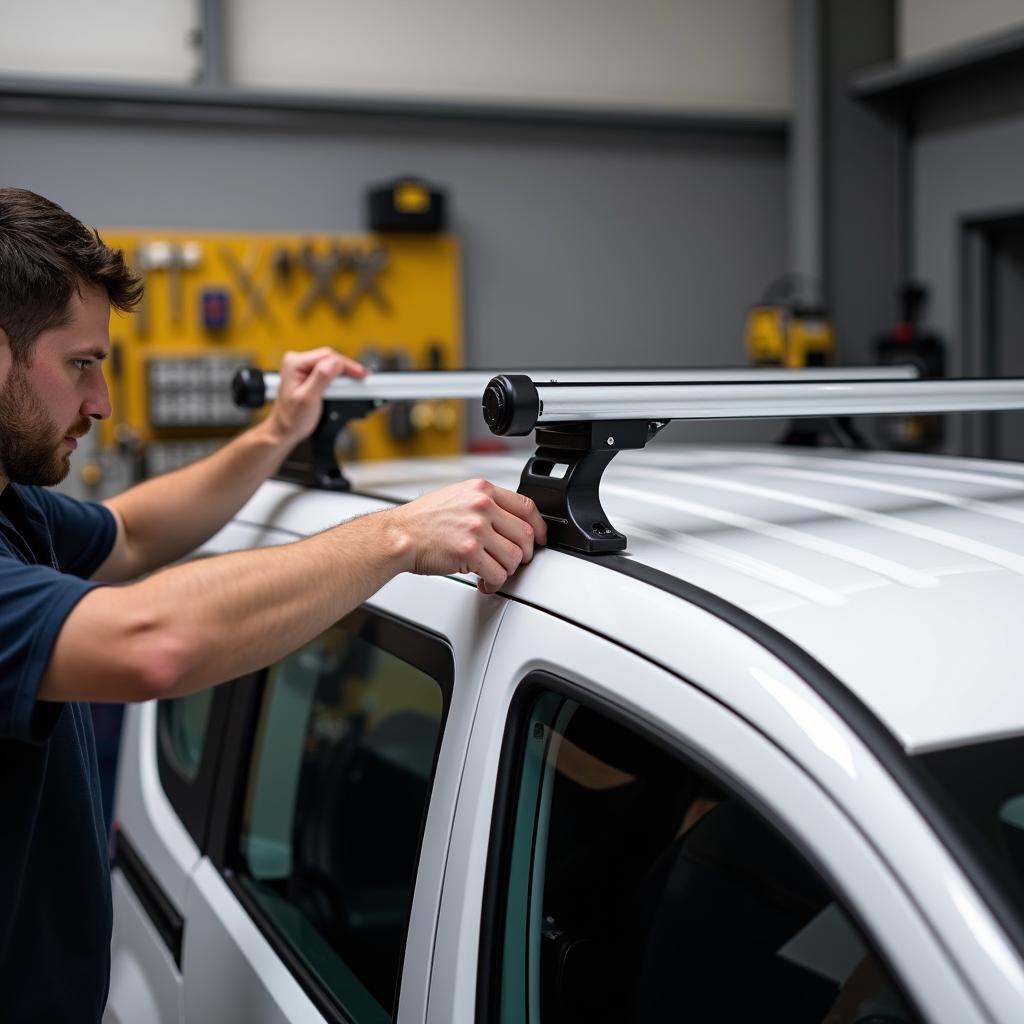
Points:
(416, 275)
(182, 257)
(149, 257)
(324, 269)
(368, 267)
(245, 277)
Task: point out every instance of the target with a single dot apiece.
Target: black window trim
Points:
(908, 773)
(497, 870)
(156, 904)
(192, 798)
(426, 650)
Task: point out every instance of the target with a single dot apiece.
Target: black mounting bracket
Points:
(314, 462)
(564, 477)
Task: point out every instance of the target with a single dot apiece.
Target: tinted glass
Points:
(336, 800)
(984, 782)
(186, 721)
(639, 891)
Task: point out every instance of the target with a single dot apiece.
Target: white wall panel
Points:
(703, 55)
(133, 40)
(927, 26)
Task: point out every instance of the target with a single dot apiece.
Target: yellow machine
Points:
(783, 334)
(214, 302)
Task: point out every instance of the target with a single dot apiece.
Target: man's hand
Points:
(470, 527)
(304, 378)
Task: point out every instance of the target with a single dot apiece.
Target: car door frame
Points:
(467, 623)
(712, 737)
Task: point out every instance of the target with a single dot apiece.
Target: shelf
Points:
(892, 79)
(201, 103)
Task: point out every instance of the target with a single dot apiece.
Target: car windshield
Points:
(985, 782)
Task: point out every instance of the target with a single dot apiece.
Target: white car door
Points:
(626, 847)
(319, 892)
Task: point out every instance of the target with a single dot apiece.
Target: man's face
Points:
(49, 401)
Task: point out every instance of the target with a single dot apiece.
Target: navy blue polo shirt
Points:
(55, 909)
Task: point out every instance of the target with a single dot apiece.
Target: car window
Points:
(186, 720)
(336, 798)
(187, 762)
(983, 784)
(636, 889)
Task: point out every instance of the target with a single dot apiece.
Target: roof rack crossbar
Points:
(252, 388)
(601, 418)
(515, 404)
(314, 462)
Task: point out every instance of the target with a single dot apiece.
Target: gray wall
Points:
(583, 246)
(967, 165)
(967, 156)
(862, 154)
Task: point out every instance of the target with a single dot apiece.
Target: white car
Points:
(767, 764)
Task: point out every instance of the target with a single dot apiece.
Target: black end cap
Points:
(511, 405)
(248, 388)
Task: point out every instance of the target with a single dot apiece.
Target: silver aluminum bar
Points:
(388, 386)
(700, 401)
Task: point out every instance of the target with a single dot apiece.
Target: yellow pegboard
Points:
(413, 317)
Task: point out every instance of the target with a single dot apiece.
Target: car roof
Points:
(901, 574)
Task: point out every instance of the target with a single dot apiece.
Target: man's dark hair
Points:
(45, 253)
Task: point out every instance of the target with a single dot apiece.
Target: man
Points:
(65, 638)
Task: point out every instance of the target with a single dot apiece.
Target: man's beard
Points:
(29, 439)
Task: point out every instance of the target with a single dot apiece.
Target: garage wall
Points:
(662, 54)
(582, 246)
(724, 55)
(927, 27)
(967, 153)
(595, 241)
(121, 40)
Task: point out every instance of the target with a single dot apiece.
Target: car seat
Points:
(710, 920)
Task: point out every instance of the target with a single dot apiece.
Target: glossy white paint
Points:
(531, 640)
(143, 810)
(467, 623)
(145, 985)
(231, 972)
(899, 574)
(734, 669)
(902, 575)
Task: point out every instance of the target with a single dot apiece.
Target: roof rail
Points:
(314, 461)
(581, 426)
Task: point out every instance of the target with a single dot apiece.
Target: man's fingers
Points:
(319, 375)
(492, 574)
(350, 368)
(523, 508)
(515, 530)
(507, 553)
(303, 364)
(300, 363)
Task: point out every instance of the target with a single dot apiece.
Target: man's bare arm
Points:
(207, 621)
(163, 519)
